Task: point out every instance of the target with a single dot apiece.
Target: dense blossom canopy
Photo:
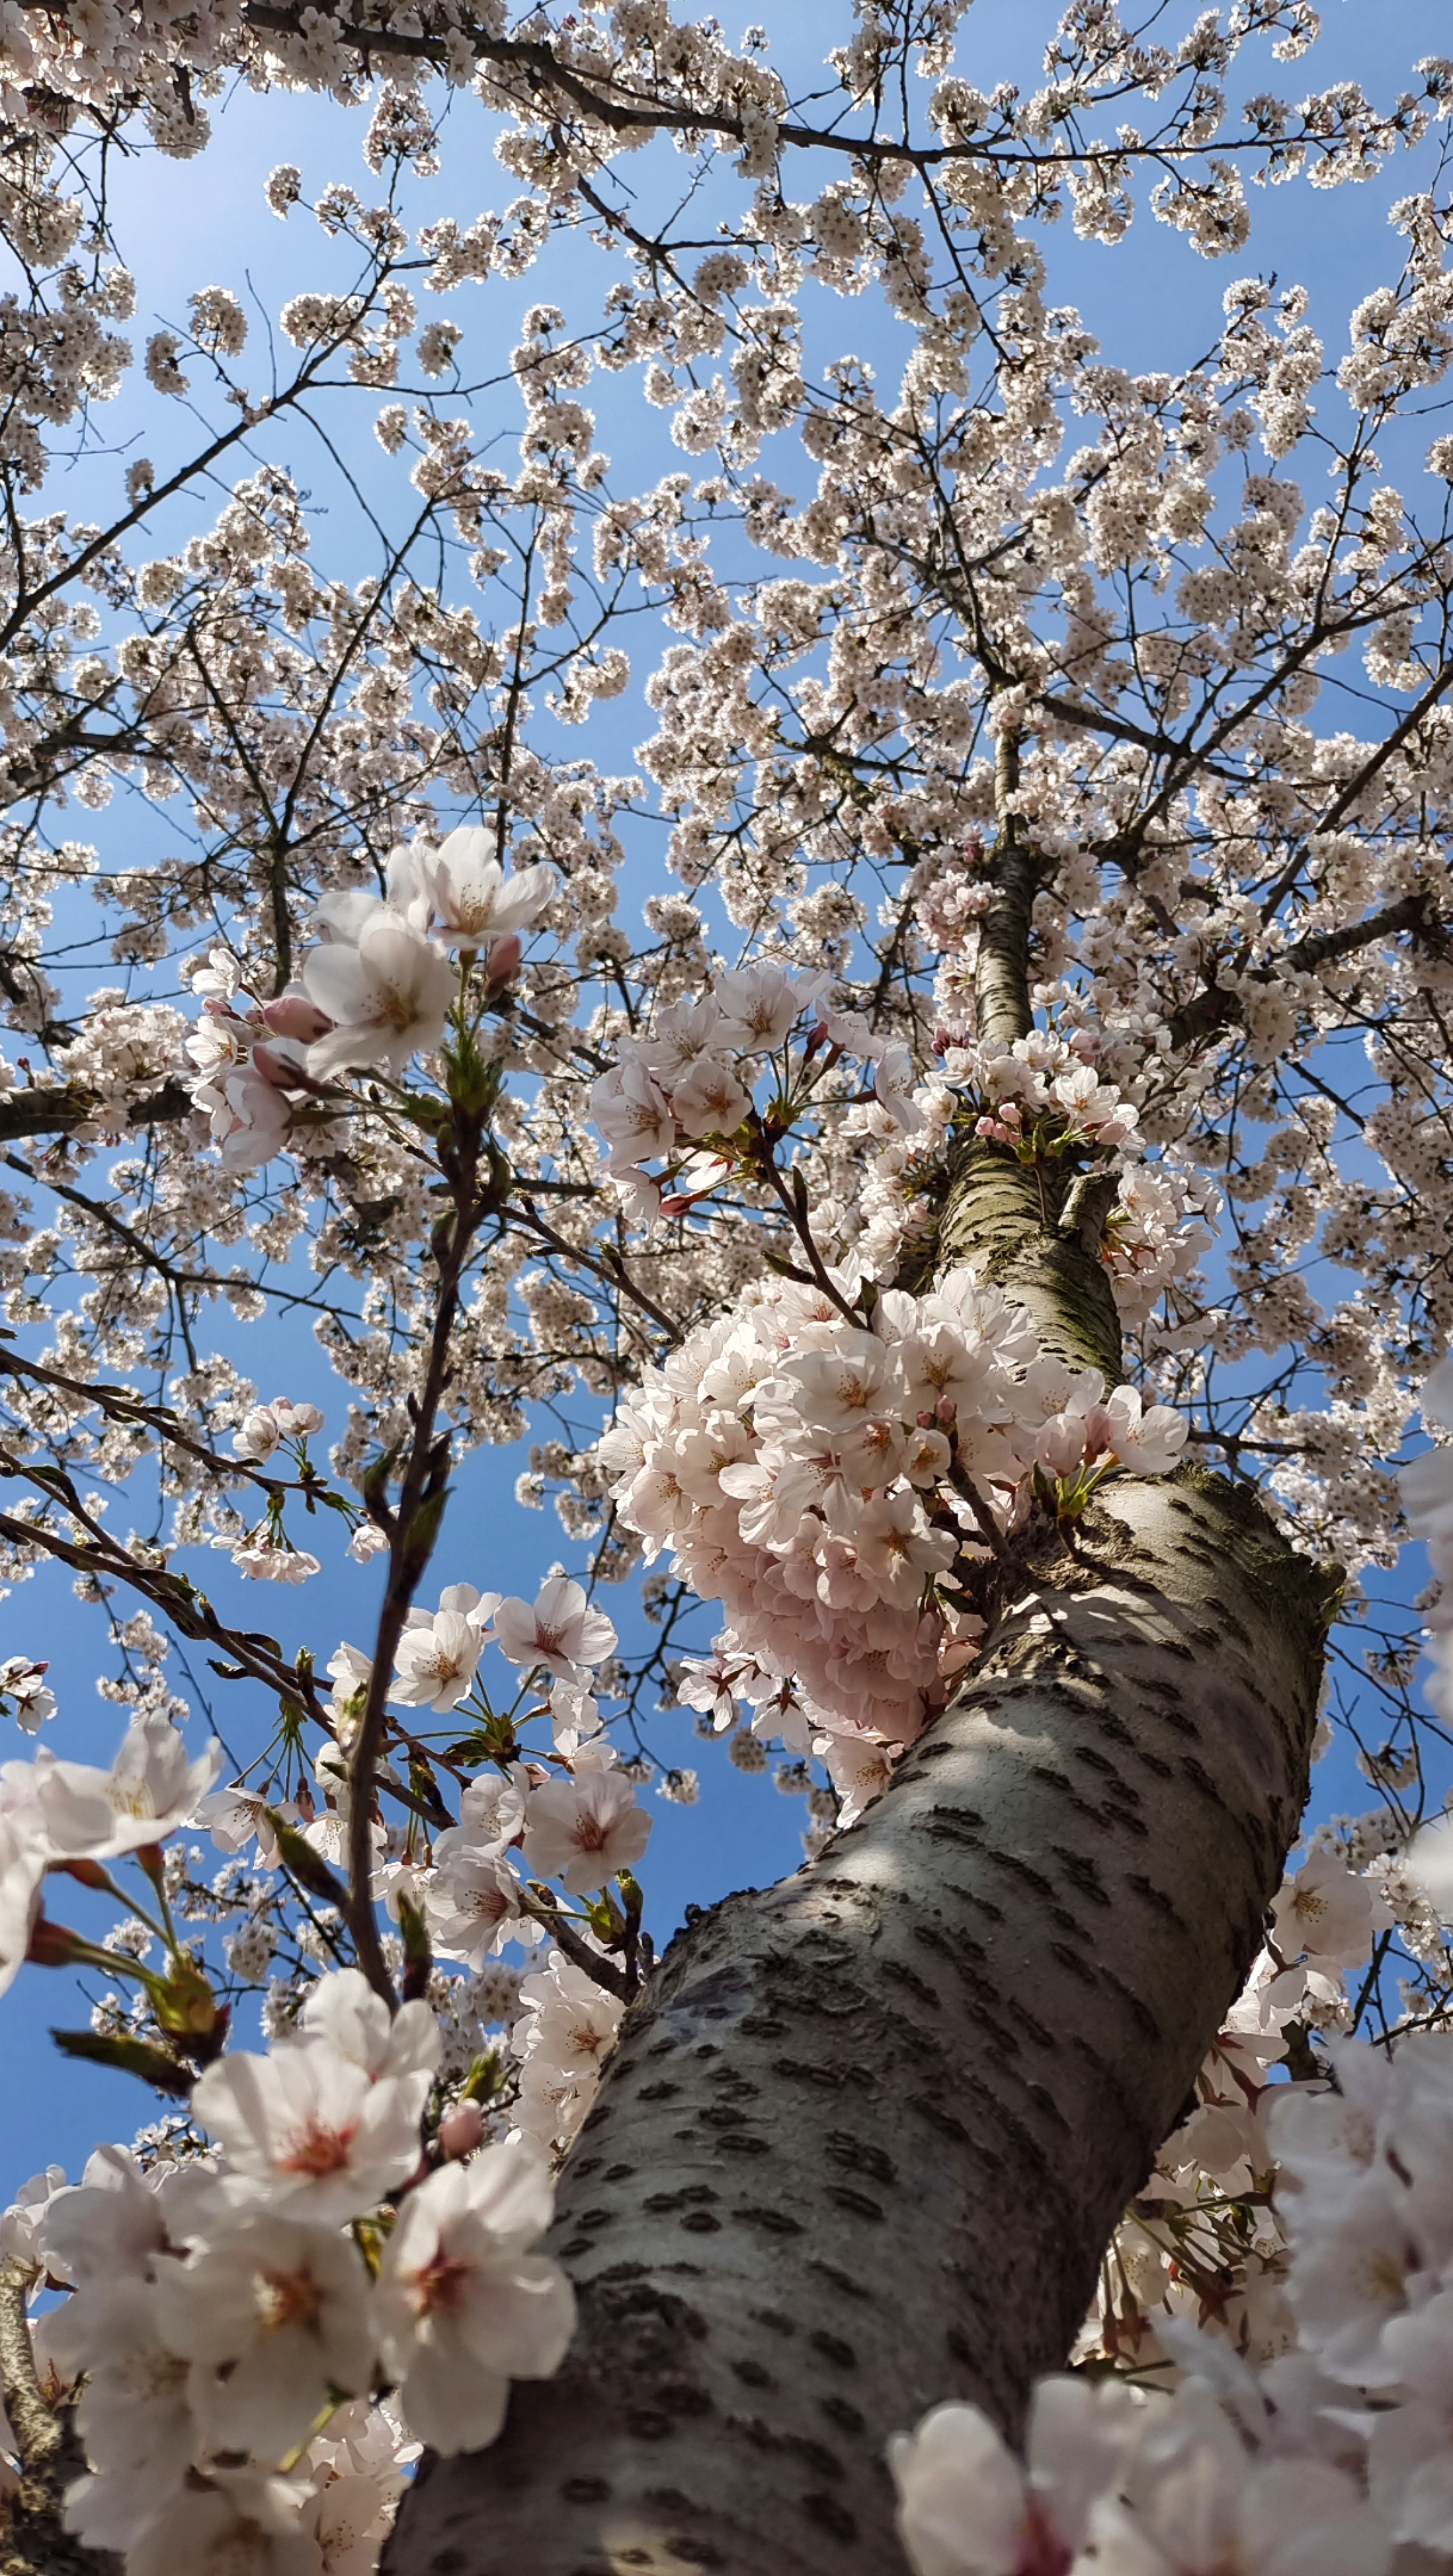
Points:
(1037, 826)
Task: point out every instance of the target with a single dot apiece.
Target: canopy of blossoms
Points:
(625, 951)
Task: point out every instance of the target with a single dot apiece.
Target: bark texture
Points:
(1034, 1231)
(1001, 974)
(33, 2538)
(867, 2132)
(55, 1109)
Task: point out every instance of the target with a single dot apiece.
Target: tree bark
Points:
(57, 1109)
(1001, 972)
(1034, 1231)
(866, 2133)
(33, 2538)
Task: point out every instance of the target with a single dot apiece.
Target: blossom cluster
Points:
(1301, 2420)
(1046, 1083)
(376, 990)
(230, 2314)
(832, 1477)
(329, 2263)
(1427, 1498)
(683, 1093)
(843, 762)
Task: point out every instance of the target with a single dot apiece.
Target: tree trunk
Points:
(867, 2133)
(33, 2537)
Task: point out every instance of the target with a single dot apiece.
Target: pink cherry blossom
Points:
(559, 1630)
(582, 1831)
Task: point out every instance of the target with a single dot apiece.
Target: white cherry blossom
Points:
(348, 2519)
(1327, 1915)
(152, 1787)
(22, 2222)
(134, 2414)
(238, 2524)
(473, 1906)
(309, 2130)
(23, 1859)
(438, 1656)
(109, 2223)
(967, 2508)
(582, 1831)
(463, 2307)
(344, 2014)
(23, 1682)
(388, 997)
(472, 899)
(271, 2313)
(559, 1631)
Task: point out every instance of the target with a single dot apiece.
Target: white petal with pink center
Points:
(309, 2130)
(462, 2306)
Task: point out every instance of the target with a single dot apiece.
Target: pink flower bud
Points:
(275, 1069)
(292, 1015)
(505, 956)
(946, 1411)
(462, 2129)
(924, 1421)
(1099, 1433)
(1061, 1444)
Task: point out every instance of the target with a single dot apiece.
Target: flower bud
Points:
(276, 1069)
(292, 1015)
(462, 2129)
(88, 1873)
(53, 1945)
(505, 956)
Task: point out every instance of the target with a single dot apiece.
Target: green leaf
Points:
(132, 2056)
(307, 1866)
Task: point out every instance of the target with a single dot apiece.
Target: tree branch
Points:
(44, 1110)
(411, 1526)
(35, 2541)
(1216, 1008)
(1001, 975)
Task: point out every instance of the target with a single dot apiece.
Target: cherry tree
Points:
(943, 1149)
